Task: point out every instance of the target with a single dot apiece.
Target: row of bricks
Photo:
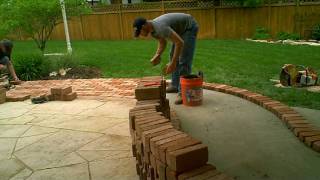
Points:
(306, 132)
(57, 94)
(163, 152)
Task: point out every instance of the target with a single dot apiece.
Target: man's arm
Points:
(178, 42)
(161, 47)
(162, 43)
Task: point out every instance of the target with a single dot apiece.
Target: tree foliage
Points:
(36, 18)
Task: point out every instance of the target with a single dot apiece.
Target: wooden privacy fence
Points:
(114, 22)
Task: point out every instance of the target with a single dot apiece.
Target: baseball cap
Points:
(137, 25)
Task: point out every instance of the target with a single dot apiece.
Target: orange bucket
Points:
(191, 90)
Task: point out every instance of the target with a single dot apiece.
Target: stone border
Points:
(162, 151)
(302, 129)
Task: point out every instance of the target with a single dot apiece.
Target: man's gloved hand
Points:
(156, 59)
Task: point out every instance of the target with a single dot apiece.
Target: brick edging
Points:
(302, 129)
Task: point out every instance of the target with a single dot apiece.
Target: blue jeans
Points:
(184, 63)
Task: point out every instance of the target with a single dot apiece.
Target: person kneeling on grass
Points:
(182, 30)
(5, 58)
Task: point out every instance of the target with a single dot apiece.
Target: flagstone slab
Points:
(9, 167)
(55, 150)
(114, 169)
(39, 117)
(18, 120)
(37, 130)
(22, 175)
(25, 141)
(119, 129)
(6, 147)
(98, 155)
(14, 109)
(118, 109)
(109, 142)
(13, 130)
(74, 172)
(66, 107)
(81, 123)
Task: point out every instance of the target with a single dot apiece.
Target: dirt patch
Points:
(81, 72)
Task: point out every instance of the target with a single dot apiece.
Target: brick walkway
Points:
(85, 88)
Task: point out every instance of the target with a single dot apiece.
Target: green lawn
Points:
(243, 64)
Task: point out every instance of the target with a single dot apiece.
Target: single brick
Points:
(155, 147)
(210, 86)
(139, 133)
(17, 97)
(287, 117)
(146, 120)
(148, 93)
(260, 99)
(161, 169)
(310, 140)
(188, 158)
(316, 146)
(146, 157)
(151, 125)
(303, 135)
(290, 124)
(175, 145)
(294, 126)
(141, 127)
(146, 137)
(61, 90)
(222, 88)
(297, 131)
(69, 97)
(151, 115)
(251, 96)
(163, 136)
(195, 172)
(153, 162)
(267, 104)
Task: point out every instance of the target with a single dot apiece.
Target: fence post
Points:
(214, 21)
(81, 28)
(121, 21)
(269, 15)
(162, 7)
(297, 17)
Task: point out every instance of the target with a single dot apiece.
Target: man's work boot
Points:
(178, 101)
(171, 89)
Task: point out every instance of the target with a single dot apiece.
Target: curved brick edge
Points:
(162, 151)
(302, 129)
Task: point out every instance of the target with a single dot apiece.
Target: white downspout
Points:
(66, 29)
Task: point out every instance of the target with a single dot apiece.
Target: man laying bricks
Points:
(5, 58)
(182, 30)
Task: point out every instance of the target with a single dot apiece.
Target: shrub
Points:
(261, 33)
(285, 36)
(29, 66)
(316, 32)
(36, 66)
